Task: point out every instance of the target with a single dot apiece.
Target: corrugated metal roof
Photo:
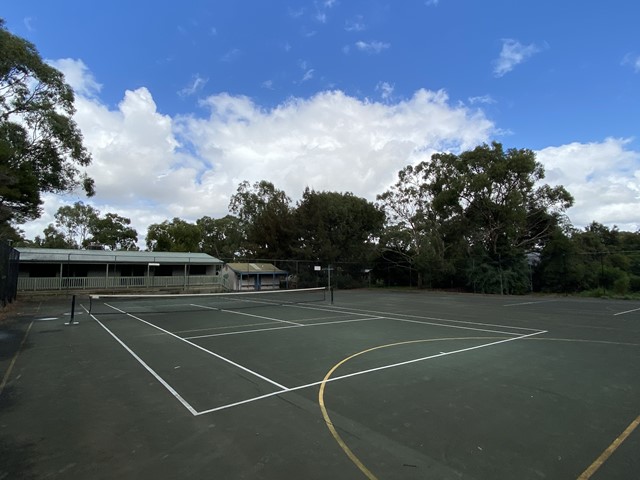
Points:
(58, 255)
(254, 268)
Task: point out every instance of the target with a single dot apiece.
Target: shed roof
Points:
(61, 255)
(255, 268)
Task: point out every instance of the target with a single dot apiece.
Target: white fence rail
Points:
(96, 283)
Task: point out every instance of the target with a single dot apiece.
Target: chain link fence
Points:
(598, 273)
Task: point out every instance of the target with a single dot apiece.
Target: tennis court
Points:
(376, 384)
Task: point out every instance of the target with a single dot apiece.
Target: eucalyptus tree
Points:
(221, 237)
(176, 235)
(266, 217)
(487, 205)
(75, 222)
(113, 232)
(41, 147)
(334, 226)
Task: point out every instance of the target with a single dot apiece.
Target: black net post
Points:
(73, 312)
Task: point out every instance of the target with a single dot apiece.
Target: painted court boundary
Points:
(283, 389)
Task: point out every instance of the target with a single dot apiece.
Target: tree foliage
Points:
(175, 236)
(41, 147)
(52, 238)
(75, 222)
(597, 258)
(485, 204)
(266, 217)
(113, 232)
(222, 237)
(335, 226)
(81, 226)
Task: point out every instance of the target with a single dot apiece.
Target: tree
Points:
(496, 194)
(221, 237)
(76, 222)
(114, 232)
(265, 215)
(175, 236)
(334, 226)
(411, 239)
(485, 205)
(41, 147)
(52, 238)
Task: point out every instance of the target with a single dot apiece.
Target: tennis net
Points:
(182, 302)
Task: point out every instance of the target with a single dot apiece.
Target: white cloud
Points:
(308, 75)
(78, 76)
(603, 177)
(307, 71)
(632, 60)
(296, 13)
(385, 89)
(372, 47)
(483, 99)
(196, 85)
(28, 23)
(513, 53)
(355, 25)
(150, 167)
(231, 55)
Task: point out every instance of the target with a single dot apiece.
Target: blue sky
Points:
(202, 95)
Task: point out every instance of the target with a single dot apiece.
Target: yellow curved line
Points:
(323, 408)
(588, 473)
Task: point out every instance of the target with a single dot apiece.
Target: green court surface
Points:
(378, 385)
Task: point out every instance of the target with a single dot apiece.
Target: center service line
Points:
(173, 392)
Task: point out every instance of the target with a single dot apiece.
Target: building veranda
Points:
(42, 269)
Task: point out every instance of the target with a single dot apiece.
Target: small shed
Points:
(252, 276)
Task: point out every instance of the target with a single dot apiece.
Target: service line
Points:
(231, 362)
(303, 325)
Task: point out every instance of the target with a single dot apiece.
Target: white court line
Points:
(628, 311)
(241, 367)
(527, 303)
(246, 314)
(304, 322)
(370, 370)
(173, 392)
(384, 314)
(240, 332)
(451, 326)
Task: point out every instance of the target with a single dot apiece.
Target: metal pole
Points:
(73, 312)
